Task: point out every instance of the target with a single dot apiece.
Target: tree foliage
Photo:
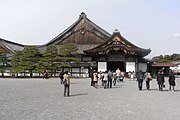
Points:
(29, 60)
(15, 61)
(26, 60)
(68, 52)
(4, 65)
(50, 59)
(166, 58)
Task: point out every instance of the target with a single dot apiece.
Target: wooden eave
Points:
(125, 46)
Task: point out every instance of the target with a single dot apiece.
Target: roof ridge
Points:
(81, 16)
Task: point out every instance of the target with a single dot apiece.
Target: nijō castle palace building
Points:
(98, 49)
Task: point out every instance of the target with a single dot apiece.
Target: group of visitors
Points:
(107, 78)
(160, 80)
(131, 75)
(141, 77)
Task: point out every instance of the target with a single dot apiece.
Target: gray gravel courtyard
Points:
(42, 99)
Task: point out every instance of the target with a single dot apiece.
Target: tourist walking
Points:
(110, 76)
(46, 76)
(61, 73)
(160, 80)
(172, 80)
(121, 76)
(118, 73)
(66, 82)
(92, 71)
(132, 75)
(105, 74)
(101, 77)
(148, 78)
(95, 79)
(140, 78)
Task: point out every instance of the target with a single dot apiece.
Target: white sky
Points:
(153, 24)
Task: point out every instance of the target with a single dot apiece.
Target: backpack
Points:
(141, 76)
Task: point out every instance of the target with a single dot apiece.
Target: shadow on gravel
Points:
(113, 87)
(74, 83)
(79, 94)
(171, 91)
(176, 90)
(155, 89)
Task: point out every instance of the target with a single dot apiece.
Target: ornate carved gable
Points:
(120, 44)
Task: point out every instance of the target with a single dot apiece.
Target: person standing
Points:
(160, 79)
(171, 80)
(101, 77)
(110, 76)
(92, 71)
(66, 82)
(105, 79)
(61, 73)
(140, 78)
(95, 79)
(118, 73)
(46, 76)
(148, 78)
(129, 75)
(121, 76)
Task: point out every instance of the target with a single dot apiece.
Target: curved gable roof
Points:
(67, 32)
(118, 42)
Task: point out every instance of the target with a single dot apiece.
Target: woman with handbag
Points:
(148, 78)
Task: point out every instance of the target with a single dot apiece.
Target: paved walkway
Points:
(40, 99)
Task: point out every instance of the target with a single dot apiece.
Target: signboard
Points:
(130, 66)
(102, 66)
(143, 66)
(116, 58)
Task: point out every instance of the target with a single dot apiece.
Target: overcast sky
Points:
(153, 24)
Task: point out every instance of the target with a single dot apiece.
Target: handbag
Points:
(64, 81)
(164, 85)
(149, 77)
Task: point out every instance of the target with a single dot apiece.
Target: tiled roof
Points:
(164, 65)
(10, 46)
(123, 44)
(84, 17)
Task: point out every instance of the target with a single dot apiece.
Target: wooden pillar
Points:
(136, 65)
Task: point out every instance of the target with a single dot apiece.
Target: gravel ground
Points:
(42, 99)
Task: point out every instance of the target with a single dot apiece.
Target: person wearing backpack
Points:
(140, 77)
(66, 82)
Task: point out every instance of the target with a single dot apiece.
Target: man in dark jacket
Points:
(160, 79)
(140, 77)
(110, 75)
(61, 73)
(172, 80)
